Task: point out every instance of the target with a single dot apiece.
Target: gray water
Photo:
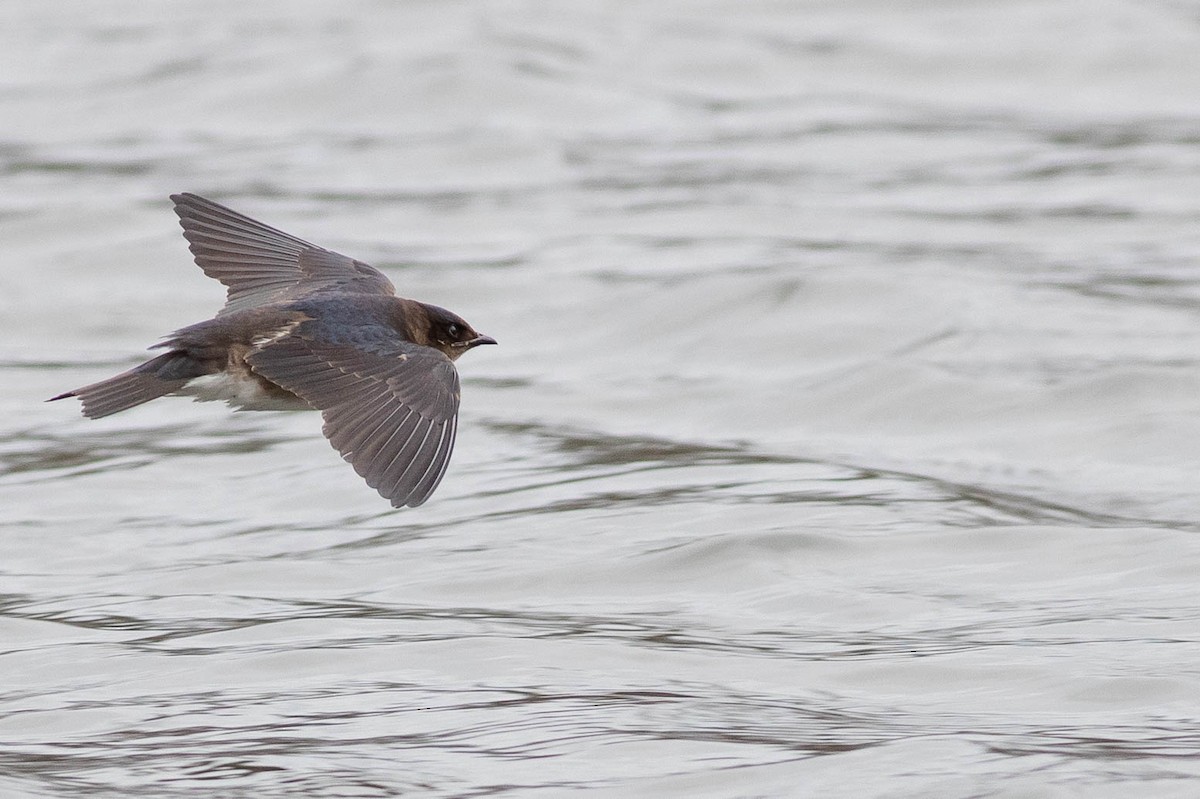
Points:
(843, 438)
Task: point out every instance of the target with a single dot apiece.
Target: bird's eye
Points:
(452, 331)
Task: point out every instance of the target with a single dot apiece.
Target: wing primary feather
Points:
(414, 455)
(392, 483)
(349, 432)
(387, 458)
(437, 466)
(399, 428)
(196, 209)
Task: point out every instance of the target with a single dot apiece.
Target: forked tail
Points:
(155, 378)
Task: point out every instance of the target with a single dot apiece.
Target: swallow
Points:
(307, 328)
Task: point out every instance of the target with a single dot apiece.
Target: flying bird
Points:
(307, 328)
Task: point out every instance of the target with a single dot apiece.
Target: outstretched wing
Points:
(392, 412)
(260, 264)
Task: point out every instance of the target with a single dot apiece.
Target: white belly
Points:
(241, 392)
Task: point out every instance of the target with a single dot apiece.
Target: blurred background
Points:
(843, 437)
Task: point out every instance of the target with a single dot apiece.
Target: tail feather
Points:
(140, 384)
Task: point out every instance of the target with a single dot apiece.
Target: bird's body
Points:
(307, 328)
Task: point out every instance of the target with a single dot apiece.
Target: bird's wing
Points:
(391, 411)
(260, 264)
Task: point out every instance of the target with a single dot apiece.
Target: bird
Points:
(307, 328)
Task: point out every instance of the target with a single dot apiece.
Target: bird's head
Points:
(450, 333)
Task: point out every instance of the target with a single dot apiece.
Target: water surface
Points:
(842, 439)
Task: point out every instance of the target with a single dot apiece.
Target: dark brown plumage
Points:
(304, 327)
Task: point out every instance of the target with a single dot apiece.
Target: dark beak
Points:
(475, 342)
